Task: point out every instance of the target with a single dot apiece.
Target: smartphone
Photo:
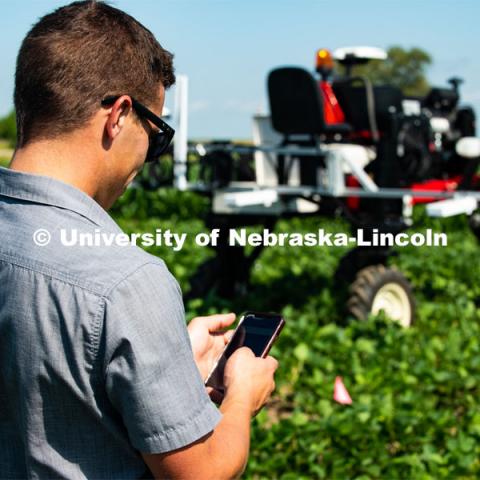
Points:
(255, 330)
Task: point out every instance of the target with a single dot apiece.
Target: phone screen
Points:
(257, 332)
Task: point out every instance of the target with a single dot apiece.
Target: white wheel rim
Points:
(393, 300)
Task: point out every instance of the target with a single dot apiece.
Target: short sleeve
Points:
(150, 374)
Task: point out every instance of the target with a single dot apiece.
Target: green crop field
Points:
(415, 411)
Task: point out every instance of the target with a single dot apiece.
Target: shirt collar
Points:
(50, 191)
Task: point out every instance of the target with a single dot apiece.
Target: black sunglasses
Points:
(158, 142)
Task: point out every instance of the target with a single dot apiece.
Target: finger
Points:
(217, 318)
(219, 321)
(244, 351)
(227, 336)
(273, 361)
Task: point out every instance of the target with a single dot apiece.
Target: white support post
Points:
(180, 145)
(336, 181)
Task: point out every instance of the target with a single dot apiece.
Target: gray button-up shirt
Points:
(96, 363)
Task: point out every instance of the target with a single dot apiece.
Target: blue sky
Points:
(227, 47)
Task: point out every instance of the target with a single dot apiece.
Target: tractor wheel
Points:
(474, 222)
(378, 288)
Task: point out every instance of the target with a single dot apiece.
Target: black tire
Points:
(379, 288)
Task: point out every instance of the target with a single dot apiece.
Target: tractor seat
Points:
(296, 104)
(353, 101)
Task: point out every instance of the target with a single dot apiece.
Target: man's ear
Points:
(117, 116)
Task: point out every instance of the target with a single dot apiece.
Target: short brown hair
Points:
(74, 57)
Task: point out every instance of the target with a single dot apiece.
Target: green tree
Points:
(404, 68)
(8, 128)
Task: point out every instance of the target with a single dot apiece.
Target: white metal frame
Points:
(239, 195)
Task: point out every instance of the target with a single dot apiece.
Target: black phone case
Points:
(215, 378)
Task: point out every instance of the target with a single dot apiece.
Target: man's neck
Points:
(65, 161)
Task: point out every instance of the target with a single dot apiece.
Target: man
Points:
(99, 376)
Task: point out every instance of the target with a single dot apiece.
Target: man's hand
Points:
(222, 453)
(208, 339)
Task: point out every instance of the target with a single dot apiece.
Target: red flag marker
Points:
(340, 393)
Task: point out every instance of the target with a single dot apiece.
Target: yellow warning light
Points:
(324, 59)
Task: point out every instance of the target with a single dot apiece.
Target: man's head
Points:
(70, 61)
